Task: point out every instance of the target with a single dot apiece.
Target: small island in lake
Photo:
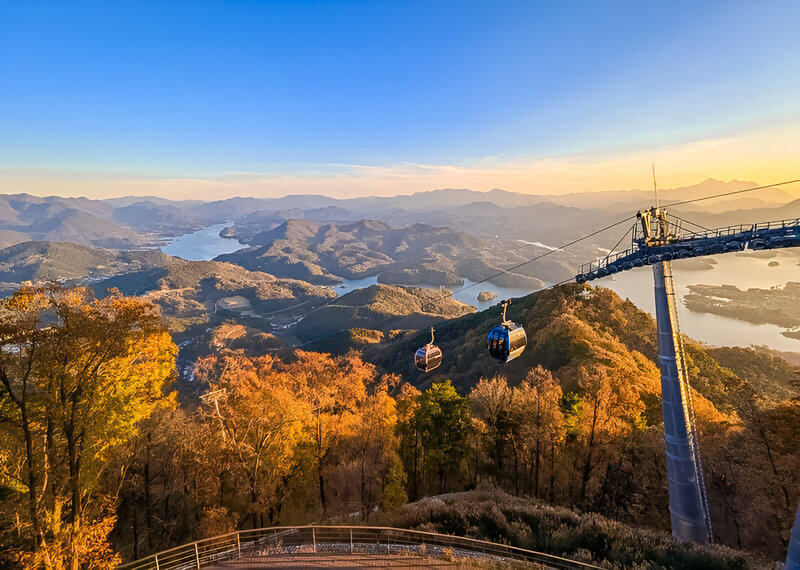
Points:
(777, 305)
(484, 296)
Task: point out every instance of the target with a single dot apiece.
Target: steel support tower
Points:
(656, 240)
(688, 505)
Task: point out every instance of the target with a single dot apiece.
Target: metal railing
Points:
(764, 235)
(273, 543)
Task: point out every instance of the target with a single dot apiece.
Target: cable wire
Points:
(545, 254)
(613, 249)
(691, 222)
(731, 193)
(573, 242)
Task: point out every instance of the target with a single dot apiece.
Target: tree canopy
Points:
(77, 375)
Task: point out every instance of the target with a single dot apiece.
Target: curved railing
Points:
(262, 544)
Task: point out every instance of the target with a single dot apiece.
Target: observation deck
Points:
(682, 245)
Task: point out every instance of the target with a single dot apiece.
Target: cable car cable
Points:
(620, 240)
(692, 223)
(545, 254)
(692, 201)
(508, 340)
(501, 272)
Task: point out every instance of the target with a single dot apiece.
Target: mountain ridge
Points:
(413, 255)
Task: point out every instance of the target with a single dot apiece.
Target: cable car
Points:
(428, 357)
(507, 340)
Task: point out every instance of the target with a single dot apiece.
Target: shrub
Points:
(497, 517)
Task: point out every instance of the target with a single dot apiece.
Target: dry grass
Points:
(498, 517)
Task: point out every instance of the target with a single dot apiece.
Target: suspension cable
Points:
(731, 193)
(613, 249)
(691, 222)
(545, 254)
(573, 242)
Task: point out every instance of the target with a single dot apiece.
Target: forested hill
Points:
(201, 293)
(190, 293)
(66, 262)
(382, 308)
(601, 351)
(568, 327)
(418, 254)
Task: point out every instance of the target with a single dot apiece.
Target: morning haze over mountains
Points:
(476, 232)
(108, 223)
(307, 250)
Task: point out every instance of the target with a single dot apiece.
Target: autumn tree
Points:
(375, 450)
(610, 407)
(77, 375)
(493, 407)
(260, 419)
(540, 425)
(282, 420)
(334, 388)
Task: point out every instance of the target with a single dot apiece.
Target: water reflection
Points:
(349, 285)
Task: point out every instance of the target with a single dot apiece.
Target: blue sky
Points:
(103, 92)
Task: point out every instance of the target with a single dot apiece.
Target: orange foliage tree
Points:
(77, 374)
(282, 421)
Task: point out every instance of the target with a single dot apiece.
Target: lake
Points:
(744, 271)
(466, 293)
(202, 245)
(348, 285)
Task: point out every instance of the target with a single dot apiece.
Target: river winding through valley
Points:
(744, 271)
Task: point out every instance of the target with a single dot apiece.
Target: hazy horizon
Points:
(792, 191)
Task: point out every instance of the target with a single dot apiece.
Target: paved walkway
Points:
(334, 560)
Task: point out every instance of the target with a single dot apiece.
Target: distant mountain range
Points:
(447, 198)
(639, 199)
(78, 220)
(135, 222)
